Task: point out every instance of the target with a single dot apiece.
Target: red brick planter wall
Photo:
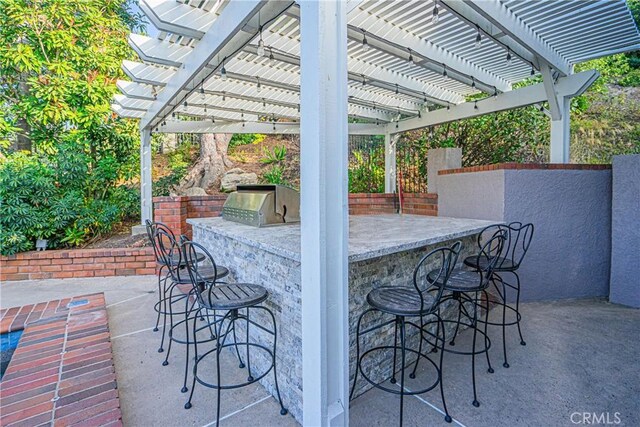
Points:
(522, 166)
(59, 264)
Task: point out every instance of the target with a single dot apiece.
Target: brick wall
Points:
(59, 264)
(524, 166)
(372, 204)
(174, 211)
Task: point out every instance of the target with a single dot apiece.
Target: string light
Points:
(224, 96)
(213, 119)
(473, 82)
(397, 89)
(364, 80)
(475, 105)
(495, 92)
(508, 56)
(444, 71)
(478, 37)
(173, 114)
(223, 71)
(435, 16)
(533, 71)
(202, 91)
(272, 58)
(258, 87)
(185, 103)
(448, 107)
(260, 44)
(542, 108)
(424, 97)
(264, 103)
(410, 55)
(365, 43)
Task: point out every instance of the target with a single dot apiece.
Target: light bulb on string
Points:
(475, 105)
(509, 56)
(533, 70)
(410, 55)
(224, 96)
(258, 87)
(260, 51)
(365, 43)
(213, 119)
(223, 71)
(478, 42)
(444, 72)
(272, 58)
(435, 17)
(185, 104)
(397, 89)
(473, 82)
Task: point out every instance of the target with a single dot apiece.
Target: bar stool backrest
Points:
(190, 252)
(167, 250)
(442, 260)
(517, 243)
(490, 252)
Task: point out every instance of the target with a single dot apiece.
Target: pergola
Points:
(328, 69)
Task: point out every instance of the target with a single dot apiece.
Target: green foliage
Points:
(366, 170)
(277, 155)
(179, 162)
(57, 198)
(274, 175)
(239, 139)
(59, 60)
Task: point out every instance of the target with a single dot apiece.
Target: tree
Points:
(59, 60)
(213, 161)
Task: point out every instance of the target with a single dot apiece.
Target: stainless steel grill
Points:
(262, 205)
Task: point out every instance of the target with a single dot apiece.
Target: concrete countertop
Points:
(370, 236)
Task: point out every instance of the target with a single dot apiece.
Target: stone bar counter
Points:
(383, 251)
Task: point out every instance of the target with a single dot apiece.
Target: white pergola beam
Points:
(496, 14)
(137, 90)
(570, 86)
(147, 74)
(146, 182)
(206, 126)
(324, 214)
(227, 38)
(177, 18)
(159, 52)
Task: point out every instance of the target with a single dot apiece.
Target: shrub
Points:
(276, 155)
(275, 175)
(239, 139)
(59, 198)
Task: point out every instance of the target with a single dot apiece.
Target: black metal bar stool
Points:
(168, 251)
(418, 301)
(229, 298)
(519, 238)
(465, 288)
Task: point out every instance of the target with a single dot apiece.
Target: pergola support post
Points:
(390, 142)
(324, 213)
(146, 202)
(560, 134)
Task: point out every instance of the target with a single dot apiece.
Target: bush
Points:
(63, 198)
(276, 155)
(239, 139)
(275, 175)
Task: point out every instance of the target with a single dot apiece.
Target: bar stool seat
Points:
(400, 301)
(235, 295)
(503, 264)
(207, 272)
(461, 280)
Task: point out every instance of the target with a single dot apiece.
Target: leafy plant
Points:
(366, 170)
(275, 175)
(276, 155)
(239, 139)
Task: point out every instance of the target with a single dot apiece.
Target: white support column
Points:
(390, 162)
(560, 134)
(146, 202)
(324, 213)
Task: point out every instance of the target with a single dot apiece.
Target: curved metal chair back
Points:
(190, 252)
(516, 245)
(167, 250)
(442, 260)
(490, 253)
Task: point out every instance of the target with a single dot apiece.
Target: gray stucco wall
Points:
(625, 231)
(570, 210)
(478, 195)
(569, 256)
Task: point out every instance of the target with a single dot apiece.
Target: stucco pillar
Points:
(624, 286)
(439, 159)
(560, 134)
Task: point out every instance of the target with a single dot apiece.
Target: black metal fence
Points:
(366, 164)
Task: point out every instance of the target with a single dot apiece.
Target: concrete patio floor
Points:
(580, 357)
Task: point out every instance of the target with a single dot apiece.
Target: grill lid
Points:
(262, 204)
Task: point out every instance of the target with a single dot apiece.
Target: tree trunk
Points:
(211, 165)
